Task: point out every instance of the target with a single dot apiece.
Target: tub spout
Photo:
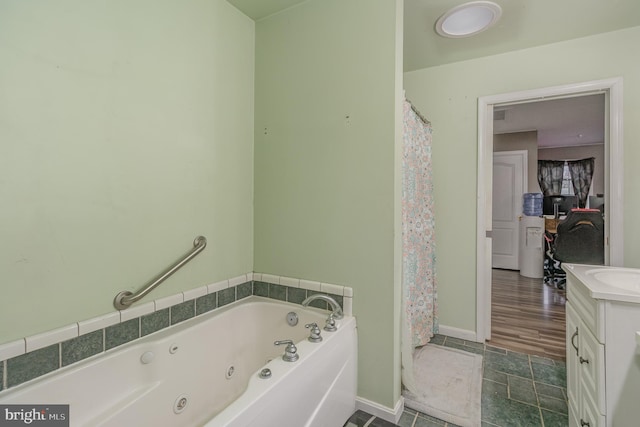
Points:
(335, 307)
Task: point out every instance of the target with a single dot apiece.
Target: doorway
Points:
(612, 89)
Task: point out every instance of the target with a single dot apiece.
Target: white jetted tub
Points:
(206, 372)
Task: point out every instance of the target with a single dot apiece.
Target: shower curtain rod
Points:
(415, 110)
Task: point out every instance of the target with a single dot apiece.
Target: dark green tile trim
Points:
(206, 303)
(261, 289)
(244, 290)
(80, 348)
(278, 292)
(153, 322)
(40, 362)
(318, 303)
(437, 339)
(226, 296)
(292, 294)
(32, 365)
(339, 299)
(183, 311)
(296, 295)
(121, 333)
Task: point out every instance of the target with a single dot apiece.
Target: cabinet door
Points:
(590, 416)
(573, 365)
(591, 360)
(574, 415)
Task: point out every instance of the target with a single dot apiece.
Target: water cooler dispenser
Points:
(531, 251)
(532, 247)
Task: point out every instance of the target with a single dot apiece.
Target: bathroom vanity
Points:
(603, 360)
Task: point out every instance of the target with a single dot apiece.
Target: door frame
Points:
(612, 89)
(524, 158)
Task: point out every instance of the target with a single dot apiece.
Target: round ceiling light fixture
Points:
(468, 19)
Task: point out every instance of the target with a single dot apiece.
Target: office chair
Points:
(579, 239)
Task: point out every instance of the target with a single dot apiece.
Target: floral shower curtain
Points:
(419, 312)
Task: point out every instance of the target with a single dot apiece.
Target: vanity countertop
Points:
(608, 283)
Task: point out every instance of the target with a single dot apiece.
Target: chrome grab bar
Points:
(125, 298)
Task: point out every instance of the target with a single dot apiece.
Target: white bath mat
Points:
(449, 385)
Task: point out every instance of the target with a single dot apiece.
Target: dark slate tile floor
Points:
(518, 390)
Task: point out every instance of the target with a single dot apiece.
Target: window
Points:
(567, 184)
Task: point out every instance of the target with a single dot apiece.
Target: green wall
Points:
(325, 131)
(448, 96)
(126, 130)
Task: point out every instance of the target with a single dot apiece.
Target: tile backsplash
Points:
(32, 357)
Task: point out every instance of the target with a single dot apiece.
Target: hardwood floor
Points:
(527, 315)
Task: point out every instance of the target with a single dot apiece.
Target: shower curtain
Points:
(419, 312)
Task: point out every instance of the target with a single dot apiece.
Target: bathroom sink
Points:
(625, 279)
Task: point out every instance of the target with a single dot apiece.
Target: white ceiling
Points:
(524, 24)
(561, 122)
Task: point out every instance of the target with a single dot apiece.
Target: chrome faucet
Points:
(290, 352)
(336, 310)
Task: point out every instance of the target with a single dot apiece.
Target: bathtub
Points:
(206, 372)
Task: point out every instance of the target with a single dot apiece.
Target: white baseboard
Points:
(462, 334)
(387, 414)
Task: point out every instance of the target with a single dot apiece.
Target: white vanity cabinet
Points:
(603, 363)
(585, 361)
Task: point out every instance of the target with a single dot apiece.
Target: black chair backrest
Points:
(580, 238)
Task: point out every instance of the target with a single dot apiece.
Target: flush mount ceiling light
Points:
(468, 19)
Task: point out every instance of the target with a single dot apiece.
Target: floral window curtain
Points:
(581, 175)
(419, 312)
(550, 176)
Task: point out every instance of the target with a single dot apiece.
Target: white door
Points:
(509, 180)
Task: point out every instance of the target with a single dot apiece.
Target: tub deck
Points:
(204, 372)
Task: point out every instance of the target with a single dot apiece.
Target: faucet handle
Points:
(290, 352)
(314, 332)
(330, 324)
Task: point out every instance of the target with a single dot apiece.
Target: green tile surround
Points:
(155, 321)
(32, 365)
(206, 303)
(183, 311)
(84, 346)
(226, 296)
(36, 363)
